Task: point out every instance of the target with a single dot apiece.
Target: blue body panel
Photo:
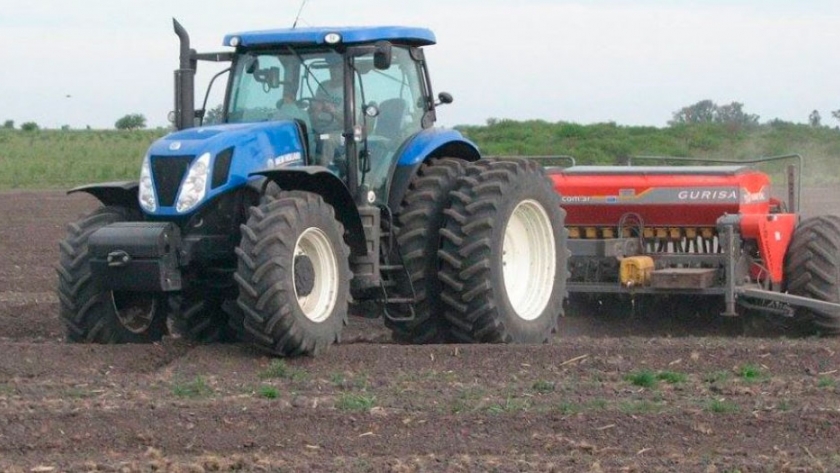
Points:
(256, 147)
(349, 34)
(425, 142)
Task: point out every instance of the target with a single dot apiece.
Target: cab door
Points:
(390, 106)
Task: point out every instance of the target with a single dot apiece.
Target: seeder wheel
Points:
(812, 269)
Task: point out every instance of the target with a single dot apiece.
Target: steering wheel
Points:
(304, 103)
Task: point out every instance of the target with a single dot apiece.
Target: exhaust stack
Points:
(184, 81)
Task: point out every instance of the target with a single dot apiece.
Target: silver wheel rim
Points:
(529, 259)
(318, 304)
(135, 310)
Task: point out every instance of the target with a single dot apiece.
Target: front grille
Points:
(168, 172)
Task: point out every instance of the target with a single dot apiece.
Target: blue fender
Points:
(424, 144)
(427, 144)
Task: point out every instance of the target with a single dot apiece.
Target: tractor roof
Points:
(349, 35)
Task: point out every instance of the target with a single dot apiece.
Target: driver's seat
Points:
(390, 120)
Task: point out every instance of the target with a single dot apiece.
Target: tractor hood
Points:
(263, 138)
(187, 168)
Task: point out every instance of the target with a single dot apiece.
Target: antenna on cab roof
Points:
(302, 4)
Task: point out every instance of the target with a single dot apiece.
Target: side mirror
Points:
(382, 55)
(270, 77)
(444, 98)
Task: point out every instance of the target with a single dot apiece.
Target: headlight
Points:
(195, 185)
(148, 200)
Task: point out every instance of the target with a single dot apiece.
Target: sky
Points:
(91, 62)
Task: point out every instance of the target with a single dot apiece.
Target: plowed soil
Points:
(672, 389)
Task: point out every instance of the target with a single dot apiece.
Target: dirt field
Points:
(672, 391)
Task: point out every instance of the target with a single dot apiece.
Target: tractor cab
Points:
(356, 95)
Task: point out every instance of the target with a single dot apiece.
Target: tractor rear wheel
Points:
(420, 220)
(503, 257)
(96, 315)
(812, 269)
(293, 275)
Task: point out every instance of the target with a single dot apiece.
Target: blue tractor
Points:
(324, 186)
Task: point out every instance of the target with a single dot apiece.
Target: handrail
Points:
(565, 157)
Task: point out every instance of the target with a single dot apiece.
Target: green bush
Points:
(133, 121)
(268, 392)
(355, 402)
(672, 377)
(644, 378)
(195, 388)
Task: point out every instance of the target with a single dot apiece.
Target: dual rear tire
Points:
(503, 255)
(418, 240)
(484, 244)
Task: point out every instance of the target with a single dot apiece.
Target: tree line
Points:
(707, 111)
(132, 121)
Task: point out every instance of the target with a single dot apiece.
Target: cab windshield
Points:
(269, 85)
(307, 85)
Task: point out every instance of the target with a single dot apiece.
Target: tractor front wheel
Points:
(812, 269)
(293, 275)
(96, 315)
(197, 313)
(503, 257)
